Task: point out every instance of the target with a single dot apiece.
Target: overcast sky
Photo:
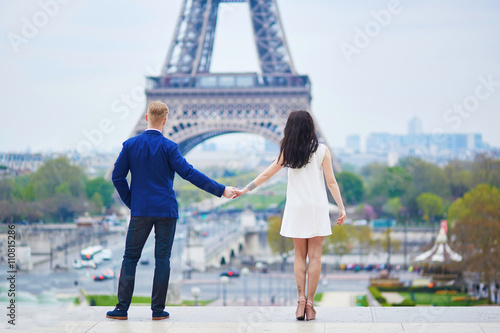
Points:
(67, 75)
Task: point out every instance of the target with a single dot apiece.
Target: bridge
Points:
(242, 238)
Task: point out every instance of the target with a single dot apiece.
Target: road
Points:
(276, 286)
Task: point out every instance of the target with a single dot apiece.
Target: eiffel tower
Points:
(203, 104)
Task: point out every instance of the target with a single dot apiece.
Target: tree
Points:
(475, 229)
(426, 177)
(277, 243)
(6, 189)
(397, 180)
(54, 173)
(388, 244)
(459, 179)
(486, 170)
(363, 235)
(340, 241)
(96, 201)
(393, 207)
(431, 205)
(103, 187)
(351, 187)
(372, 172)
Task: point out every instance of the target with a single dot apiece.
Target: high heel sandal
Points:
(310, 311)
(300, 313)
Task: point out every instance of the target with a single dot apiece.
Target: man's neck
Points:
(153, 128)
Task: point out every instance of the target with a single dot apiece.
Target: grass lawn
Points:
(111, 300)
(257, 201)
(440, 300)
(318, 297)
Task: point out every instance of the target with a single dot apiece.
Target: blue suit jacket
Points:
(153, 161)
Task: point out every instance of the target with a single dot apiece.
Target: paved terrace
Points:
(259, 319)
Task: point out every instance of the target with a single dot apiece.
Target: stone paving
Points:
(259, 319)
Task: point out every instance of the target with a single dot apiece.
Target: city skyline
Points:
(87, 63)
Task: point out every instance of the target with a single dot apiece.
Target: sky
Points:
(66, 65)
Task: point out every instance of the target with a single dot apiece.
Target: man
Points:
(152, 161)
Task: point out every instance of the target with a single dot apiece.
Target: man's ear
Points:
(146, 117)
(164, 121)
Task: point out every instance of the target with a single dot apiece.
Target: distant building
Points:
(432, 147)
(353, 142)
(415, 126)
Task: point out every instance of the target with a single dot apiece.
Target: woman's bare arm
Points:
(264, 176)
(332, 184)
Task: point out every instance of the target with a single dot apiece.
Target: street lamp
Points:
(259, 266)
(245, 272)
(224, 280)
(195, 291)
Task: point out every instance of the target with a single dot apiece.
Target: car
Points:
(84, 264)
(107, 274)
(230, 273)
(106, 254)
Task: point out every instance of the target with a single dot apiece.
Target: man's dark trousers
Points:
(138, 232)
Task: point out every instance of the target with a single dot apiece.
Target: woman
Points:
(306, 216)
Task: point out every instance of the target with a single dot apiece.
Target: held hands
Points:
(240, 192)
(229, 192)
(342, 216)
(233, 192)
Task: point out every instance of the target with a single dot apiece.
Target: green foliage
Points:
(318, 297)
(255, 202)
(361, 300)
(278, 243)
(363, 236)
(486, 170)
(54, 173)
(426, 177)
(351, 187)
(475, 220)
(96, 201)
(406, 302)
(188, 194)
(378, 295)
(431, 205)
(6, 189)
(372, 172)
(111, 300)
(393, 207)
(459, 179)
(103, 187)
(430, 298)
(387, 243)
(340, 241)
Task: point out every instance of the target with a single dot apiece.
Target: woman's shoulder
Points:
(321, 152)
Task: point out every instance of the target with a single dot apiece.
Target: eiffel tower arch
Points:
(204, 104)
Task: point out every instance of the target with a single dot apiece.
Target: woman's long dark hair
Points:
(300, 140)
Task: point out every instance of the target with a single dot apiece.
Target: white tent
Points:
(441, 252)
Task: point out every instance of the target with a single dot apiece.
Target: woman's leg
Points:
(314, 246)
(299, 265)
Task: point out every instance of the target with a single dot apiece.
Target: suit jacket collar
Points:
(153, 131)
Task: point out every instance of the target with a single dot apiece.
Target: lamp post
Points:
(224, 280)
(258, 266)
(245, 272)
(195, 291)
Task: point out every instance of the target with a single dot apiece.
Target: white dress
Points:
(306, 211)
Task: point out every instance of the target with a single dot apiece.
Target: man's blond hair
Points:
(157, 111)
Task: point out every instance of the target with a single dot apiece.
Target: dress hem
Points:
(316, 235)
